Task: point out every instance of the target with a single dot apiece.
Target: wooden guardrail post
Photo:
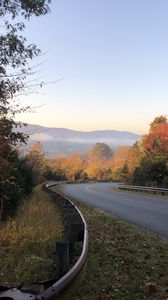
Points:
(62, 257)
(74, 233)
(70, 218)
(69, 210)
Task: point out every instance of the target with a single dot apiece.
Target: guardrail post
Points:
(62, 257)
(74, 233)
(70, 218)
(69, 210)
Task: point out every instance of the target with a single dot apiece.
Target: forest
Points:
(145, 163)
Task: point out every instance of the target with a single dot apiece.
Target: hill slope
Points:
(66, 141)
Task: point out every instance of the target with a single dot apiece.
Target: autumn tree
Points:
(119, 157)
(55, 169)
(156, 142)
(157, 122)
(152, 168)
(15, 55)
(97, 167)
(132, 162)
(73, 167)
(95, 170)
(36, 158)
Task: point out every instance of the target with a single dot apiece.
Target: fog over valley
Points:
(58, 141)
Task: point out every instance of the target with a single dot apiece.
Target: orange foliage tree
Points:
(151, 160)
(97, 167)
(36, 158)
(120, 155)
(97, 164)
(156, 142)
(73, 167)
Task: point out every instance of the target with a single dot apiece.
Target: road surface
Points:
(146, 211)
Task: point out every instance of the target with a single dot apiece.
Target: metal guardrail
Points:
(148, 189)
(32, 290)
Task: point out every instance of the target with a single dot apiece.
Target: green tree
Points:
(100, 151)
(16, 180)
(150, 172)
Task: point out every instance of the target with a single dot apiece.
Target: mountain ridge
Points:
(66, 141)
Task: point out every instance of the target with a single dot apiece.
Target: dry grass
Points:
(124, 263)
(28, 241)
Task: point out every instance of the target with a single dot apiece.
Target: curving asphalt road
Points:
(146, 211)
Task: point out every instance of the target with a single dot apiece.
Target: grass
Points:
(124, 263)
(27, 241)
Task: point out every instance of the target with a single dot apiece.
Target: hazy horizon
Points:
(63, 140)
(89, 130)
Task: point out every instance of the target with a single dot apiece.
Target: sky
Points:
(108, 61)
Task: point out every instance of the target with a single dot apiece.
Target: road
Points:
(146, 211)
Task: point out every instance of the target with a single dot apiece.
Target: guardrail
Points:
(76, 231)
(148, 189)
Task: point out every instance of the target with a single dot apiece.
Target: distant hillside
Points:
(65, 141)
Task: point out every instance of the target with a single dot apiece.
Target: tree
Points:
(95, 170)
(150, 161)
(156, 142)
(133, 157)
(73, 167)
(158, 121)
(54, 170)
(100, 151)
(15, 52)
(15, 55)
(36, 158)
(16, 180)
(150, 173)
(97, 167)
(120, 156)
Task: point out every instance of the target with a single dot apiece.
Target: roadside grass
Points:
(124, 263)
(27, 241)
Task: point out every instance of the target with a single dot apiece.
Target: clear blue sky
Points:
(112, 57)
